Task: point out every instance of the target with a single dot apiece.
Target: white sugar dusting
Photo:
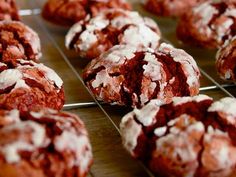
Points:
(139, 33)
(206, 11)
(130, 131)
(76, 28)
(160, 131)
(11, 151)
(182, 100)
(9, 78)
(118, 54)
(50, 74)
(147, 114)
(153, 68)
(226, 108)
(79, 145)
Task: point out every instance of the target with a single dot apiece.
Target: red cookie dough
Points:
(93, 36)
(44, 143)
(129, 77)
(209, 24)
(173, 8)
(192, 136)
(8, 10)
(66, 12)
(18, 41)
(30, 85)
(226, 60)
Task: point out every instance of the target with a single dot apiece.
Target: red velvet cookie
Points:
(93, 36)
(125, 76)
(192, 136)
(226, 60)
(209, 24)
(30, 85)
(66, 12)
(173, 8)
(8, 10)
(44, 143)
(18, 41)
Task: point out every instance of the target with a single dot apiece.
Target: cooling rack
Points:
(102, 120)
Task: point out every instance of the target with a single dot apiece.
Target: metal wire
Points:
(27, 12)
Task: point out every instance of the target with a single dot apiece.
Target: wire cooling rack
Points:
(216, 85)
(211, 84)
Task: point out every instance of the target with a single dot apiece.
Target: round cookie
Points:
(66, 12)
(18, 41)
(226, 60)
(209, 24)
(172, 8)
(30, 85)
(125, 76)
(95, 35)
(44, 143)
(192, 136)
(8, 10)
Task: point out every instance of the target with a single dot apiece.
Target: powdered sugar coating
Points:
(18, 41)
(9, 117)
(30, 84)
(49, 134)
(184, 137)
(12, 149)
(109, 28)
(148, 76)
(209, 24)
(225, 60)
(130, 132)
(225, 107)
(188, 64)
(82, 157)
(181, 100)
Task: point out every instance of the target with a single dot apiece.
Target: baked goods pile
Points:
(36, 138)
(172, 130)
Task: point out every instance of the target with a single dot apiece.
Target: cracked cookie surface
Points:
(43, 143)
(126, 76)
(191, 136)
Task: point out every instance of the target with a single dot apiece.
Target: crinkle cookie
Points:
(125, 76)
(30, 85)
(226, 60)
(18, 41)
(96, 35)
(209, 24)
(67, 12)
(173, 8)
(191, 136)
(43, 143)
(8, 10)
